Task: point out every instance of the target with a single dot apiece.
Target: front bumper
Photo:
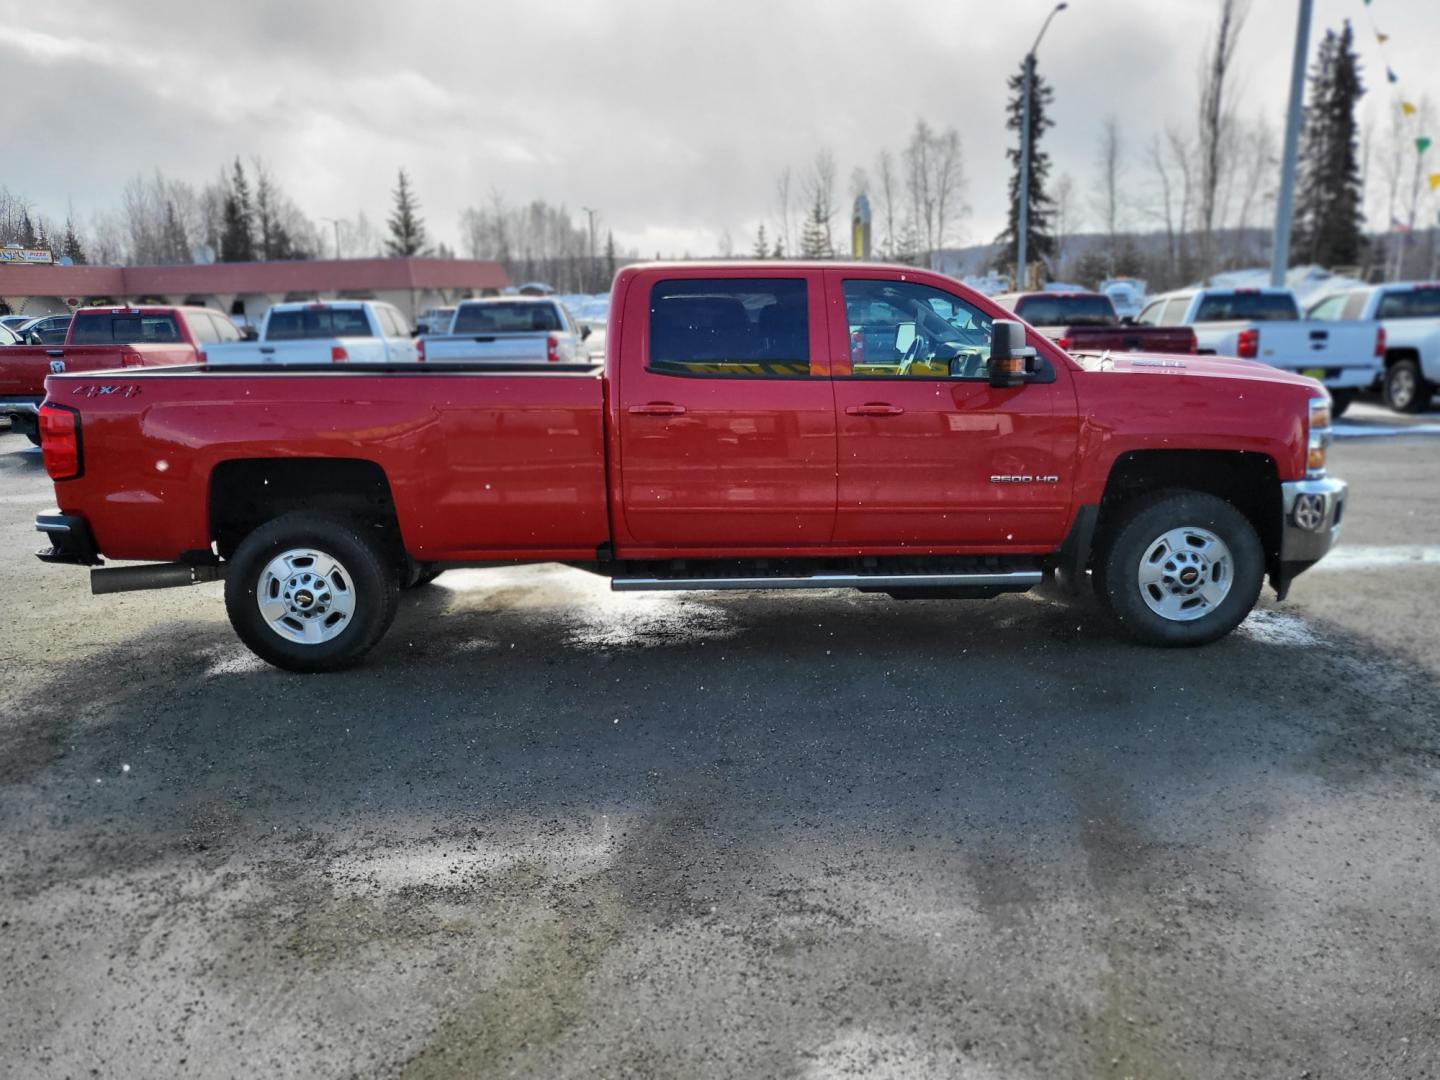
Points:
(1311, 514)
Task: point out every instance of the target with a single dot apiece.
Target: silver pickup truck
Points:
(510, 330)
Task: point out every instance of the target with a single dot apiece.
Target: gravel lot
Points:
(548, 831)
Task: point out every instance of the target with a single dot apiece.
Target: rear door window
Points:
(1411, 304)
(730, 328)
(322, 322)
(1250, 306)
(105, 328)
(507, 318)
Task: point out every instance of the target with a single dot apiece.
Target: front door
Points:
(725, 413)
(930, 455)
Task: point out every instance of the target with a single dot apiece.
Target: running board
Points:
(1008, 579)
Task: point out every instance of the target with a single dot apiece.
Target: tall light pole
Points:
(590, 270)
(1024, 192)
(1285, 203)
(336, 223)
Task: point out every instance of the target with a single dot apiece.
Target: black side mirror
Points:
(1011, 359)
(249, 333)
(584, 332)
(1128, 320)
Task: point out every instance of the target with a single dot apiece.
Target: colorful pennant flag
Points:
(1422, 144)
(1435, 181)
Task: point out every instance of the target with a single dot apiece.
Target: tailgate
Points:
(1298, 346)
(24, 368)
(526, 348)
(1157, 339)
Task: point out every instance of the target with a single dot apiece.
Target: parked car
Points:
(435, 320)
(323, 332)
(1409, 316)
(8, 336)
(45, 330)
(1087, 322)
(728, 444)
(99, 339)
(10, 322)
(1127, 294)
(1265, 325)
(510, 330)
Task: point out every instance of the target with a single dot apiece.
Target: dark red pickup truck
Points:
(100, 339)
(1081, 322)
(756, 426)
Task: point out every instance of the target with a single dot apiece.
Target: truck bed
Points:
(480, 464)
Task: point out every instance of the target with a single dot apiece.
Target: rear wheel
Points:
(1406, 390)
(309, 592)
(1180, 568)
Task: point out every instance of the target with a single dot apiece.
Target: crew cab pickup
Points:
(1265, 325)
(510, 330)
(756, 426)
(323, 332)
(1408, 313)
(100, 339)
(1087, 322)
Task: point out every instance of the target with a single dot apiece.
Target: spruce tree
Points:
(1329, 215)
(237, 238)
(1039, 240)
(762, 246)
(814, 243)
(27, 235)
(407, 230)
(71, 247)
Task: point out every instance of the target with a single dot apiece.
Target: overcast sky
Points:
(672, 118)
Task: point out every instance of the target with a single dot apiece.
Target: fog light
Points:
(1309, 512)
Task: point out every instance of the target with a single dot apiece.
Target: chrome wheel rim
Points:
(1402, 387)
(306, 596)
(1185, 574)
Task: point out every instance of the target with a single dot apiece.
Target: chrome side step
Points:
(1007, 579)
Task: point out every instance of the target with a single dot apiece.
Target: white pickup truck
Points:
(1265, 325)
(323, 332)
(1409, 316)
(511, 330)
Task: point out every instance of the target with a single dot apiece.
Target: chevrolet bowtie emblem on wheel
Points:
(1024, 479)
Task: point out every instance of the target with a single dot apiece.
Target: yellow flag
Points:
(1434, 181)
(1407, 108)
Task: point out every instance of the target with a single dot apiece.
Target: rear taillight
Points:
(420, 350)
(1194, 345)
(60, 441)
(1380, 341)
(1247, 346)
(338, 355)
(552, 349)
(1066, 343)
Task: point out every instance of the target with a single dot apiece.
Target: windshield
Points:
(506, 318)
(1253, 306)
(105, 328)
(328, 322)
(1061, 310)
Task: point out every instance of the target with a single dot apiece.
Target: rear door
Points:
(930, 455)
(725, 412)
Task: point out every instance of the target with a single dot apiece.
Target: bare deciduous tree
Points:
(1107, 200)
(1216, 118)
(888, 191)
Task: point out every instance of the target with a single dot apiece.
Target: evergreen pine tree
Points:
(175, 245)
(1329, 215)
(1039, 241)
(27, 235)
(762, 246)
(407, 230)
(237, 237)
(779, 252)
(814, 243)
(71, 247)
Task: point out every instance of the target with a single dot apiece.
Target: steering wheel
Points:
(908, 360)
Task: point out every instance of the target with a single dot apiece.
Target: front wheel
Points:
(1180, 568)
(308, 592)
(1340, 400)
(1406, 390)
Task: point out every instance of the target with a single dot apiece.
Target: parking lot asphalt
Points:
(549, 831)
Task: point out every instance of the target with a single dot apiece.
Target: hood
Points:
(1190, 365)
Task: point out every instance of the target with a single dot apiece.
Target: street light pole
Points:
(336, 223)
(1285, 203)
(1024, 193)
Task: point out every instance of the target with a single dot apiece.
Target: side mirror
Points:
(249, 333)
(1011, 360)
(585, 331)
(1128, 320)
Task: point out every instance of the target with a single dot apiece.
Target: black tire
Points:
(34, 437)
(367, 572)
(1141, 524)
(416, 575)
(1406, 390)
(1340, 400)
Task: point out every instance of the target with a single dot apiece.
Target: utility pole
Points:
(1285, 203)
(336, 223)
(590, 212)
(1024, 192)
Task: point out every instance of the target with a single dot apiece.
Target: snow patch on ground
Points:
(1279, 628)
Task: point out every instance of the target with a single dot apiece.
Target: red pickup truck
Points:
(1087, 322)
(755, 426)
(99, 339)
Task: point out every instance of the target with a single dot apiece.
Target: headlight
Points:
(1320, 436)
